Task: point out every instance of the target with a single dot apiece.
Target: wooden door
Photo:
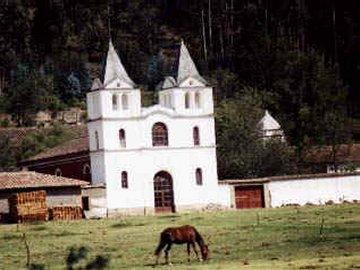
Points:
(163, 193)
(249, 197)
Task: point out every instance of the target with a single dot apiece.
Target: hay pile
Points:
(28, 206)
(65, 213)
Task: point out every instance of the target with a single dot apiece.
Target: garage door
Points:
(249, 197)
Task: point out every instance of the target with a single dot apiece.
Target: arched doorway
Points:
(163, 192)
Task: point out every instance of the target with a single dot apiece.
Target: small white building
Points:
(160, 158)
(277, 191)
(270, 128)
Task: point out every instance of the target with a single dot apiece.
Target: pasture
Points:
(325, 237)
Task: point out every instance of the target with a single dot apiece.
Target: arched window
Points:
(58, 172)
(196, 136)
(187, 100)
(124, 179)
(197, 100)
(122, 138)
(97, 145)
(125, 101)
(114, 102)
(159, 135)
(198, 175)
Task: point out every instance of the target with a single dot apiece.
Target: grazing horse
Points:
(181, 235)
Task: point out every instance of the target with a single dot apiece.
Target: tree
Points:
(311, 100)
(241, 152)
(7, 158)
(26, 97)
(73, 86)
(37, 142)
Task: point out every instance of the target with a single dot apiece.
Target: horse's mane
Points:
(199, 238)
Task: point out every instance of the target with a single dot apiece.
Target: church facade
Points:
(160, 158)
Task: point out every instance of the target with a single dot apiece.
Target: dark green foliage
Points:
(73, 85)
(26, 96)
(75, 255)
(78, 255)
(35, 266)
(7, 158)
(100, 262)
(241, 152)
(312, 103)
(36, 142)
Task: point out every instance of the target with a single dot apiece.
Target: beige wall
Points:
(64, 196)
(70, 196)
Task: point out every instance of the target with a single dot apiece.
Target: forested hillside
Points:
(299, 59)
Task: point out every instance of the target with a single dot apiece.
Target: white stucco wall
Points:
(314, 190)
(225, 195)
(176, 96)
(142, 167)
(139, 136)
(99, 103)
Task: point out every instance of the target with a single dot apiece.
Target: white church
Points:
(160, 158)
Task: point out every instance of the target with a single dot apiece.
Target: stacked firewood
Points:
(28, 206)
(65, 213)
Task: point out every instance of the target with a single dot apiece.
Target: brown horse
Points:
(181, 235)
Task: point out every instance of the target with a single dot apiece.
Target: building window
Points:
(159, 135)
(124, 180)
(114, 102)
(196, 136)
(85, 203)
(122, 138)
(198, 175)
(58, 172)
(187, 100)
(167, 101)
(94, 105)
(97, 145)
(197, 100)
(86, 169)
(125, 101)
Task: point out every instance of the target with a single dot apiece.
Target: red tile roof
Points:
(323, 154)
(23, 180)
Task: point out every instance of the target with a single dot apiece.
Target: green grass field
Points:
(285, 238)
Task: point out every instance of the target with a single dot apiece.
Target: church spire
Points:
(186, 66)
(114, 69)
